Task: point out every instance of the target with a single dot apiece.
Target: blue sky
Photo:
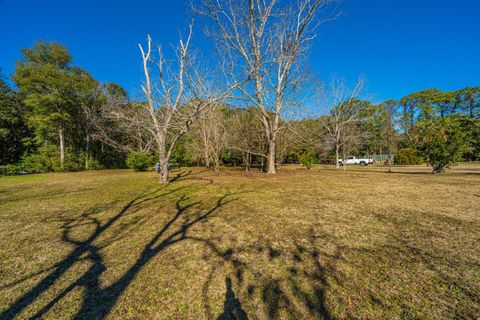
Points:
(399, 46)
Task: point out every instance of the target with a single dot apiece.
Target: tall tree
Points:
(47, 80)
(266, 41)
(175, 97)
(13, 128)
(388, 109)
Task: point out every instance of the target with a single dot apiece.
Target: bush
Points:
(94, 164)
(307, 159)
(47, 159)
(408, 156)
(9, 169)
(139, 161)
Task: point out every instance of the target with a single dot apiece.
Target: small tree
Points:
(307, 158)
(442, 141)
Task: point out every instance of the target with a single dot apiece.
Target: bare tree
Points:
(125, 127)
(175, 97)
(351, 139)
(207, 139)
(341, 103)
(266, 39)
(246, 135)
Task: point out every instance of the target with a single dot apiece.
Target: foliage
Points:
(46, 159)
(181, 155)
(15, 136)
(408, 156)
(307, 159)
(230, 157)
(139, 161)
(444, 142)
(9, 169)
(430, 125)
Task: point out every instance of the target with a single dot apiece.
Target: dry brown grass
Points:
(298, 245)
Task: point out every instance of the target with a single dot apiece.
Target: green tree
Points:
(49, 84)
(443, 141)
(372, 122)
(14, 133)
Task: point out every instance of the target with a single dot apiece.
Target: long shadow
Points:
(304, 285)
(99, 301)
(80, 248)
(232, 308)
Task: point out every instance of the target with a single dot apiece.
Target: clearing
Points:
(302, 244)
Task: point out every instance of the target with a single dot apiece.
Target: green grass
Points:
(304, 244)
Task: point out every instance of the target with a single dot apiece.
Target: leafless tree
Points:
(351, 139)
(340, 103)
(207, 139)
(268, 41)
(175, 97)
(246, 135)
(124, 126)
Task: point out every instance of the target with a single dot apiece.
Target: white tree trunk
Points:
(62, 146)
(87, 151)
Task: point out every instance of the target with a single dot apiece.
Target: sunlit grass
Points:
(301, 244)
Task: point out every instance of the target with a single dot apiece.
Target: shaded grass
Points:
(303, 244)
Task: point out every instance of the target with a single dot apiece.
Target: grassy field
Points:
(299, 245)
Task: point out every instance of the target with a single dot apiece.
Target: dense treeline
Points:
(58, 117)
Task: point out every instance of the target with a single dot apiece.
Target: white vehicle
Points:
(355, 160)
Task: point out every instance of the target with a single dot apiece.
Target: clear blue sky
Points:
(400, 46)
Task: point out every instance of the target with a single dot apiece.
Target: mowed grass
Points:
(299, 245)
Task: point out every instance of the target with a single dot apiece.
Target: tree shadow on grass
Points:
(298, 291)
(98, 301)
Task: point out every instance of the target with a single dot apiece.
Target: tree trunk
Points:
(337, 163)
(207, 158)
(164, 171)
(246, 159)
(271, 157)
(87, 151)
(163, 160)
(62, 146)
(390, 159)
(344, 157)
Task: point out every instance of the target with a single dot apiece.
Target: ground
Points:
(303, 244)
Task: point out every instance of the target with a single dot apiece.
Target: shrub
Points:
(9, 169)
(307, 159)
(94, 164)
(47, 159)
(139, 161)
(408, 156)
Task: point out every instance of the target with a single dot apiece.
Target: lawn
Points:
(304, 244)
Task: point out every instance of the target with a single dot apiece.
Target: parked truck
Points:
(355, 160)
